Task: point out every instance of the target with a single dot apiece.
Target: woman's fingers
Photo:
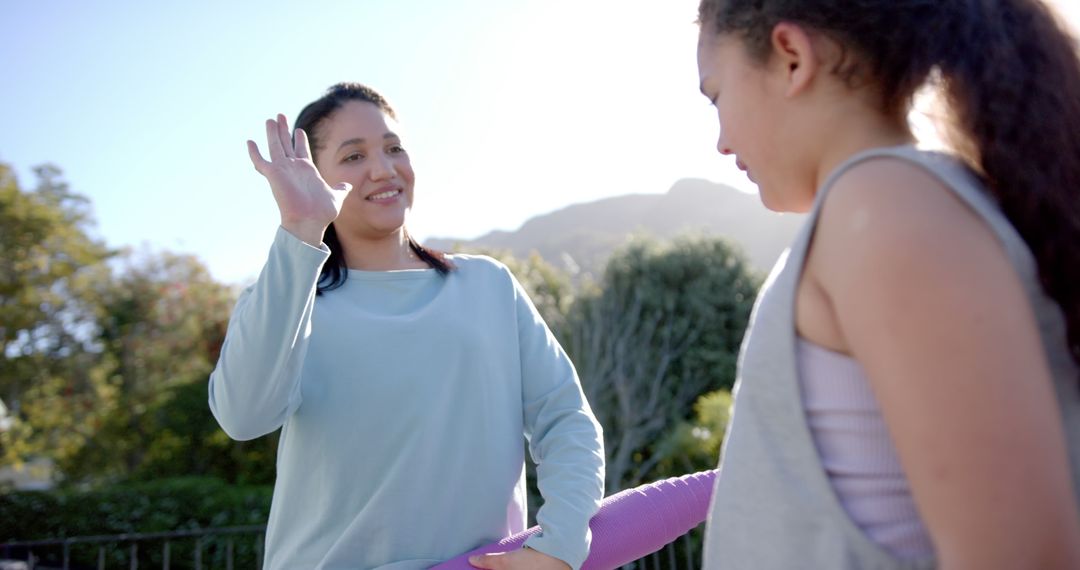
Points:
(487, 561)
(286, 138)
(256, 157)
(273, 140)
(303, 148)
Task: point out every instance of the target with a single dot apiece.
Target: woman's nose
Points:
(382, 168)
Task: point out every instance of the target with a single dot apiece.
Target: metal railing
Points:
(683, 554)
(57, 553)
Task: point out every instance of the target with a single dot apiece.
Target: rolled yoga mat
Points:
(629, 525)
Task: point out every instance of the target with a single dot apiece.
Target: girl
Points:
(909, 395)
(402, 379)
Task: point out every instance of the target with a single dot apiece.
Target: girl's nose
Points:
(722, 146)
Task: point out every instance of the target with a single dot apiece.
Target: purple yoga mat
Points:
(630, 524)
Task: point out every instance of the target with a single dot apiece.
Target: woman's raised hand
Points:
(306, 202)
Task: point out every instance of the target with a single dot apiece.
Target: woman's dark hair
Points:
(334, 271)
(1010, 73)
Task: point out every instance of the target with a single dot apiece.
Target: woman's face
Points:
(358, 145)
(754, 125)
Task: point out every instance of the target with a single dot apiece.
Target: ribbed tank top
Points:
(856, 451)
(774, 505)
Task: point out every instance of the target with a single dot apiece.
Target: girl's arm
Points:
(928, 302)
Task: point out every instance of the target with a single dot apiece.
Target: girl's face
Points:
(755, 121)
(359, 146)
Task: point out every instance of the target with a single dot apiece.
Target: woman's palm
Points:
(302, 196)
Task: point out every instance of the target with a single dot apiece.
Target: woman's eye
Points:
(352, 157)
(397, 149)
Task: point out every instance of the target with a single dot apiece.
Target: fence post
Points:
(134, 556)
(67, 555)
(198, 554)
(165, 555)
(689, 551)
(101, 558)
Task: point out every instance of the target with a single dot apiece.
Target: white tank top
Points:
(856, 451)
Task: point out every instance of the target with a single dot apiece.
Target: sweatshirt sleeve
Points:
(565, 440)
(256, 383)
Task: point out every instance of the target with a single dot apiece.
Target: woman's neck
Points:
(865, 132)
(385, 253)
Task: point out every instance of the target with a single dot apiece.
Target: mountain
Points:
(582, 236)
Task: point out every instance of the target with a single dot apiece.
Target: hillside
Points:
(584, 235)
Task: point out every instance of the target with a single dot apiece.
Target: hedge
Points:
(159, 506)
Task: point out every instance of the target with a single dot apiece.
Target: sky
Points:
(509, 108)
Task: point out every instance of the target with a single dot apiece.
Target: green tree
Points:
(47, 259)
(161, 322)
(187, 440)
(662, 328)
(694, 445)
(106, 355)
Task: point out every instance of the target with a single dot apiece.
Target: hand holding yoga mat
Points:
(630, 524)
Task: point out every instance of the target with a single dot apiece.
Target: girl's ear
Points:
(795, 57)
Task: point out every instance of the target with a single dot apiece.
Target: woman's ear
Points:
(794, 57)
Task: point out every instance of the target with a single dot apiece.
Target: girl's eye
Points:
(395, 149)
(353, 157)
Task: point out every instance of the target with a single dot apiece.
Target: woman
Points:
(908, 395)
(402, 379)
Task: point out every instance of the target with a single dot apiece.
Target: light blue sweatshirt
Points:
(403, 397)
